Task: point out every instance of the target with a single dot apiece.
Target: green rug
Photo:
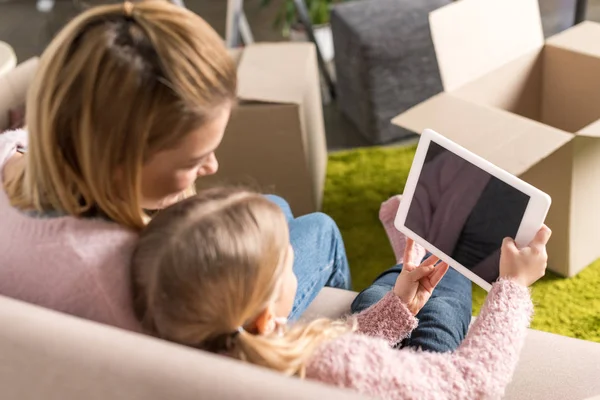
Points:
(359, 180)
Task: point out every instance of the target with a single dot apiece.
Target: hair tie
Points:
(239, 330)
(128, 8)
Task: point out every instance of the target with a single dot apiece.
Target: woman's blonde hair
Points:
(212, 263)
(116, 85)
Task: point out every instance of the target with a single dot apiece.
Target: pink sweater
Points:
(479, 369)
(76, 266)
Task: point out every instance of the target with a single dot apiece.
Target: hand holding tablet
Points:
(461, 208)
(526, 265)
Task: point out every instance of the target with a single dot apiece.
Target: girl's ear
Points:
(265, 321)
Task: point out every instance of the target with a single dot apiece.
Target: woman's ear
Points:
(265, 321)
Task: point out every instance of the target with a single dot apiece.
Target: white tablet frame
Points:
(532, 221)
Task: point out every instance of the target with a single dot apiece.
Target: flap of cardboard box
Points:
(592, 130)
(275, 72)
(474, 37)
(509, 141)
(583, 38)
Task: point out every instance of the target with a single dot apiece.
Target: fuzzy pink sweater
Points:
(479, 369)
(72, 265)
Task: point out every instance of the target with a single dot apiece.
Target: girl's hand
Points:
(415, 283)
(526, 265)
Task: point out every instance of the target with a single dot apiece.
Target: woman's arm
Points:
(481, 367)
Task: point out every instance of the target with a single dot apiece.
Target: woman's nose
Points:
(210, 167)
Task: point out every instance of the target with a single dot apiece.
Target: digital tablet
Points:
(460, 207)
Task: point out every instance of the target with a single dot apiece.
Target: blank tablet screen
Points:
(464, 212)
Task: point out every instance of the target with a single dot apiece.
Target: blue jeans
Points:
(320, 256)
(443, 321)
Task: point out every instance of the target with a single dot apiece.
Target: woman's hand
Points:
(526, 265)
(415, 283)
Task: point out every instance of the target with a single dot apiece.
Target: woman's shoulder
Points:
(72, 265)
(85, 239)
(90, 238)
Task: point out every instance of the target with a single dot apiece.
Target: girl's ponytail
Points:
(289, 351)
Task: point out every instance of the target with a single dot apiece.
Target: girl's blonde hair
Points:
(212, 263)
(116, 85)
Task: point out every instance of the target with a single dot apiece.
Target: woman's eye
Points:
(195, 164)
(188, 167)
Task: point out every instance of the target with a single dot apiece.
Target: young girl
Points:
(125, 112)
(215, 272)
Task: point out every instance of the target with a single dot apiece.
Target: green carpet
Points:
(359, 180)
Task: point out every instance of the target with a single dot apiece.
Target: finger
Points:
(409, 251)
(509, 245)
(431, 260)
(421, 272)
(541, 238)
(438, 274)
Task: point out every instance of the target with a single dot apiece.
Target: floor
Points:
(29, 31)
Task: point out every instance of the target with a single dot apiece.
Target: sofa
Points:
(48, 355)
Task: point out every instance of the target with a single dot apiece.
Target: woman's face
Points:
(169, 173)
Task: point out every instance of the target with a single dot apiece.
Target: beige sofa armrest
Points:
(556, 367)
(14, 87)
(52, 356)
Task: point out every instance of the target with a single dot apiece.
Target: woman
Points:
(126, 111)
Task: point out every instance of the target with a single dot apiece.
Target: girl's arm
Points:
(480, 368)
(388, 319)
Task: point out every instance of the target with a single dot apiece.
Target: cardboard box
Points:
(275, 140)
(529, 107)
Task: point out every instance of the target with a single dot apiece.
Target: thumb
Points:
(421, 272)
(542, 237)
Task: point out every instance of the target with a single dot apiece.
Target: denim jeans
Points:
(443, 321)
(320, 257)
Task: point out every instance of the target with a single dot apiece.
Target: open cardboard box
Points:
(532, 108)
(275, 140)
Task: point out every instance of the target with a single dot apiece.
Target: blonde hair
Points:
(212, 263)
(114, 87)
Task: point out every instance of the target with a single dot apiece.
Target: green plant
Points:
(318, 11)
